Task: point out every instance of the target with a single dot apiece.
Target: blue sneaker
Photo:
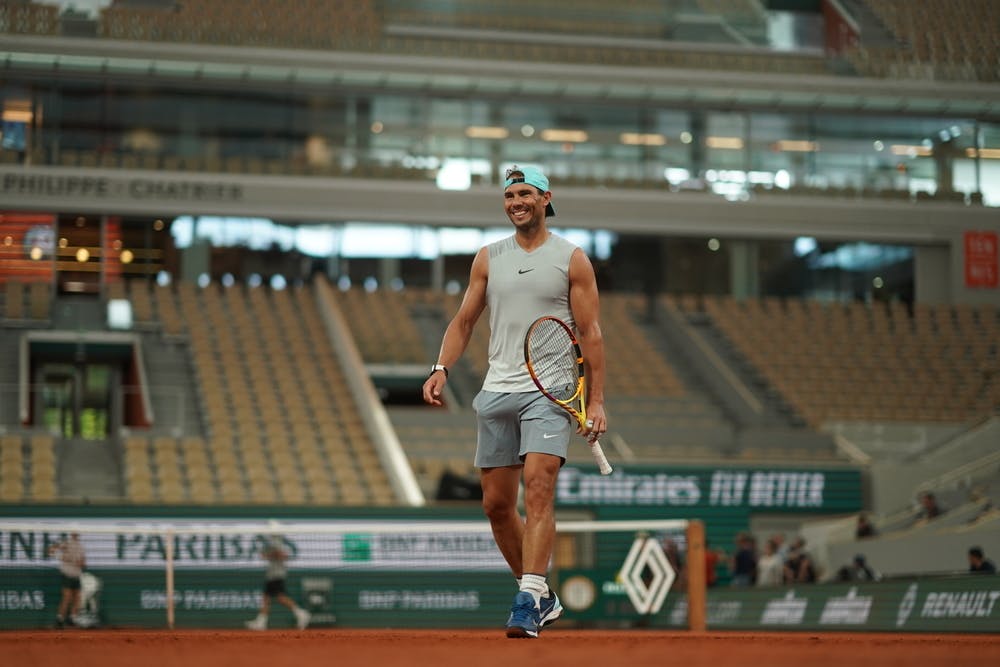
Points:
(550, 609)
(523, 621)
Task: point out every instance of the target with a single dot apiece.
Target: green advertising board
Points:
(213, 599)
(227, 599)
(967, 603)
(724, 498)
(359, 580)
(700, 488)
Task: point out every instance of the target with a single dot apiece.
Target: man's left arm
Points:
(585, 304)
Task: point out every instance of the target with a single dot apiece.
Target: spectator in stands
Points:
(799, 568)
(929, 508)
(673, 554)
(979, 563)
(712, 559)
(781, 547)
(865, 528)
(72, 561)
(744, 561)
(770, 565)
(521, 433)
(274, 586)
(858, 570)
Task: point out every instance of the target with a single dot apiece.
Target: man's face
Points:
(525, 205)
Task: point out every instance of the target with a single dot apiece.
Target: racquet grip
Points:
(599, 457)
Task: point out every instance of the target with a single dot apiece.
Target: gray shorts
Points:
(512, 425)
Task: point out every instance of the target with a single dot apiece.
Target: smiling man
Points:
(521, 434)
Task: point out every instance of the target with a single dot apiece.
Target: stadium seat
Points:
(14, 300)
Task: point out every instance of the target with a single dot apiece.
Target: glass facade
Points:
(738, 101)
(117, 124)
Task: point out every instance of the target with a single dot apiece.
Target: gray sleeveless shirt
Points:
(521, 287)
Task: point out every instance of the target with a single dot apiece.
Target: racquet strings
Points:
(553, 357)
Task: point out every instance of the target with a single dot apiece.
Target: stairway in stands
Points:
(725, 373)
(172, 387)
(89, 470)
(10, 340)
(764, 425)
(873, 30)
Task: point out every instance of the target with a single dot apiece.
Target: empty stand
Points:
(14, 300)
(12, 472)
(491, 30)
(29, 18)
(27, 303)
(868, 362)
(382, 326)
(282, 427)
(639, 367)
(434, 440)
(43, 472)
(138, 294)
(955, 40)
(306, 24)
(28, 468)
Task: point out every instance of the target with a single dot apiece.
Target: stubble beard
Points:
(531, 224)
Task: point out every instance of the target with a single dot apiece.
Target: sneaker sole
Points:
(550, 619)
(520, 633)
(552, 616)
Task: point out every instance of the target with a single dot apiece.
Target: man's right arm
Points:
(459, 331)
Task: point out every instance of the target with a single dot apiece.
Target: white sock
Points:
(534, 584)
(546, 594)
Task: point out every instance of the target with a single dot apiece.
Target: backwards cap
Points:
(531, 176)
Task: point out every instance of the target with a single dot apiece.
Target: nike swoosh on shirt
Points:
(550, 435)
(524, 270)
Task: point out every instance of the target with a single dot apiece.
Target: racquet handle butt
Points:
(600, 458)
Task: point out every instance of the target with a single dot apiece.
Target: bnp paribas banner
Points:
(218, 598)
(113, 543)
(966, 603)
(747, 488)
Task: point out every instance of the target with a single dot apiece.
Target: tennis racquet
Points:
(555, 363)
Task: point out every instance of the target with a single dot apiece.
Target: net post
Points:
(696, 583)
(169, 549)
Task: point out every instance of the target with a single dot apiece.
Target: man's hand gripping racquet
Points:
(555, 363)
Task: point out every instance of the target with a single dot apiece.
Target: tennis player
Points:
(72, 562)
(274, 587)
(520, 432)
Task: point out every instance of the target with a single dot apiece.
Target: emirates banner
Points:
(706, 488)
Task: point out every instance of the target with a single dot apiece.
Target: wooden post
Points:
(696, 584)
(169, 536)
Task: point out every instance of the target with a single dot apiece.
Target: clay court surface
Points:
(478, 648)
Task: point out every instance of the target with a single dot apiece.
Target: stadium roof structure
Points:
(213, 65)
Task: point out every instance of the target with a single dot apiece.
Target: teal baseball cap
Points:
(531, 176)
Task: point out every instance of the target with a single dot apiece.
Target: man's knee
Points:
(498, 507)
(540, 481)
(539, 495)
